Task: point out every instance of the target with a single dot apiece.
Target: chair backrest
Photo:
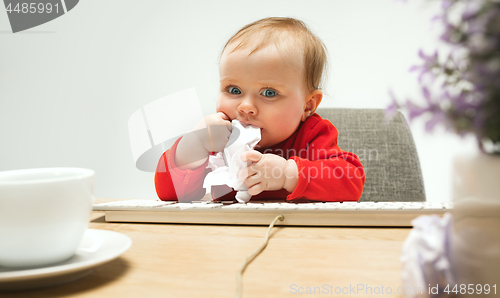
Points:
(386, 150)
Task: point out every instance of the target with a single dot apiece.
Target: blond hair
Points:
(282, 31)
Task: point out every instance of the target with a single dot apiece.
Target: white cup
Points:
(43, 214)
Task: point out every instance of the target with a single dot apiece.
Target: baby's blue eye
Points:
(234, 90)
(269, 93)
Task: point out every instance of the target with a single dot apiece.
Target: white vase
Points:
(477, 176)
(475, 247)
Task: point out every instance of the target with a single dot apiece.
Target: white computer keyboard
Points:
(304, 214)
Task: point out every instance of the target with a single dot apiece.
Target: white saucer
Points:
(97, 247)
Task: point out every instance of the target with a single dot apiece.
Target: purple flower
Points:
(449, 34)
(429, 63)
(446, 4)
(471, 10)
(468, 100)
(438, 116)
(391, 110)
(414, 110)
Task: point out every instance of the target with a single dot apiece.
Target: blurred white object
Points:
(155, 127)
(225, 166)
(461, 251)
(476, 242)
(44, 214)
(426, 255)
(476, 220)
(477, 176)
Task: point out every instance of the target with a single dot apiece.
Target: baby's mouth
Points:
(245, 124)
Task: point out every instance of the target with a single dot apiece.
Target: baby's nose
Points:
(247, 107)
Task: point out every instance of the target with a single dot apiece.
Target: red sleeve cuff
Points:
(301, 184)
(182, 174)
(173, 183)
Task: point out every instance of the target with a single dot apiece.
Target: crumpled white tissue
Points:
(226, 165)
(426, 257)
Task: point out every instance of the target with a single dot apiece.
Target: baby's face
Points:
(265, 89)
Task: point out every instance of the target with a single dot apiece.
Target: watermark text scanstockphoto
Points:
(328, 168)
(365, 289)
(352, 289)
(364, 154)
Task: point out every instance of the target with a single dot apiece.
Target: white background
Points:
(68, 87)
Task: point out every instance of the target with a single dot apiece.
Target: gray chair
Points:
(386, 150)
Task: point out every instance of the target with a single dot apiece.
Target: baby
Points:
(270, 75)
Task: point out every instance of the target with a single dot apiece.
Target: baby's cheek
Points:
(287, 126)
(273, 136)
(225, 108)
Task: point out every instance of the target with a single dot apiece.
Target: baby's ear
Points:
(313, 100)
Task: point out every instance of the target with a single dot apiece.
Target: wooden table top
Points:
(181, 260)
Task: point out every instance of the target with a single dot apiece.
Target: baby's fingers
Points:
(226, 120)
(252, 155)
(252, 180)
(223, 116)
(256, 189)
(243, 174)
(248, 172)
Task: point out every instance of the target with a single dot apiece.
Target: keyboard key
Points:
(412, 207)
(391, 207)
(232, 207)
(368, 207)
(348, 207)
(288, 206)
(207, 206)
(250, 206)
(170, 207)
(269, 206)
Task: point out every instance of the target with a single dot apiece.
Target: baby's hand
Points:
(213, 132)
(268, 172)
(210, 134)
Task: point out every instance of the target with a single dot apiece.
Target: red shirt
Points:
(326, 173)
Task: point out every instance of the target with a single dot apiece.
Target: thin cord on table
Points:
(252, 256)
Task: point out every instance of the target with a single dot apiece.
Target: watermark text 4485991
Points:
(25, 14)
